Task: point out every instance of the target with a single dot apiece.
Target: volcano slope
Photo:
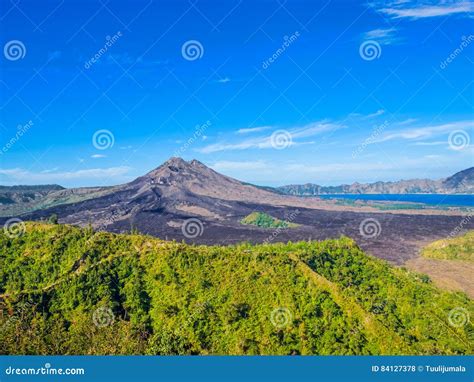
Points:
(162, 202)
(66, 290)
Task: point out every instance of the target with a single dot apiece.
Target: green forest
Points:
(68, 290)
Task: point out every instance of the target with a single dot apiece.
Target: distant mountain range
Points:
(25, 194)
(460, 183)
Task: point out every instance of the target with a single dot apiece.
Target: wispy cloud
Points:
(435, 143)
(367, 116)
(376, 114)
(223, 80)
(406, 121)
(253, 129)
(24, 176)
(384, 36)
(425, 132)
(96, 156)
(416, 9)
(265, 142)
(235, 165)
(327, 173)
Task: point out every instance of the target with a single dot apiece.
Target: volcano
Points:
(186, 200)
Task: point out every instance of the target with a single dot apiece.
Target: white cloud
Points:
(265, 142)
(406, 121)
(253, 129)
(376, 114)
(384, 36)
(231, 165)
(367, 116)
(95, 156)
(315, 128)
(223, 80)
(425, 132)
(304, 169)
(27, 177)
(435, 143)
(422, 9)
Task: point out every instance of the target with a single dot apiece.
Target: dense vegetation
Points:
(264, 220)
(66, 290)
(455, 248)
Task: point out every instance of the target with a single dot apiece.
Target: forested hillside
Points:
(65, 290)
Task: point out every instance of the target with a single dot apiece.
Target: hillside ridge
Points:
(163, 297)
(460, 183)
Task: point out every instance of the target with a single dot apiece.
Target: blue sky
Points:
(270, 92)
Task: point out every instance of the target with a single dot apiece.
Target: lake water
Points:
(431, 199)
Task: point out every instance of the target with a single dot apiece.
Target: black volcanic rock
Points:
(161, 202)
(174, 191)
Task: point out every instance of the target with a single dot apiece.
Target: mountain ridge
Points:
(164, 201)
(105, 293)
(461, 182)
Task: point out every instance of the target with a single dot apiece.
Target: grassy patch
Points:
(263, 220)
(456, 248)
